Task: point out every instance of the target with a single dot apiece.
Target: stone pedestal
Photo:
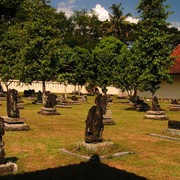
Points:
(173, 132)
(174, 107)
(15, 124)
(173, 128)
(20, 106)
(107, 120)
(8, 168)
(96, 146)
(156, 115)
(48, 111)
(63, 105)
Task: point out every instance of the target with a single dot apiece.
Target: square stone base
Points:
(107, 120)
(173, 132)
(16, 127)
(95, 146)
(48, 111)
(8, 168)
(10, 120)
(156, 115)
(63, 106)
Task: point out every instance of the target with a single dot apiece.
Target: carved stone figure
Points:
(155, 104)
(2, 131)
(174, 101)
(51, 101)
(141, 105)
(94, 122)
(1, 91)
(12, 109)
(39, 97)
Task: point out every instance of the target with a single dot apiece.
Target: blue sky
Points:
(102, 7)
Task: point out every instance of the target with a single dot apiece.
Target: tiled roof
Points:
(176, 67)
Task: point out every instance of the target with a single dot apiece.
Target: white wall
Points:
(55, 87)
(169, 91)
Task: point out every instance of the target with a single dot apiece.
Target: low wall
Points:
(56, 87)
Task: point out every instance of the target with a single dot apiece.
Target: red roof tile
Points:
(176, 67)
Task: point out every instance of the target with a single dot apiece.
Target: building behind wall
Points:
(169, 91)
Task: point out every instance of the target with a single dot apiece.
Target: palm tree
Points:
(119, 27)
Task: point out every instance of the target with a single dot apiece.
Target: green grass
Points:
(38, 151)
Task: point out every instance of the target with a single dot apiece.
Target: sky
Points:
(102, 7)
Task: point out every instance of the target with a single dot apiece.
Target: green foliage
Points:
(119, 27)
(151, 52)
(75, 65)
(41, 38)
(85, 30)
(126, 72)
(105, 55)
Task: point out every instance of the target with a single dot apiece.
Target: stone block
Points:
(173, 132)
(10, 120)
(48, 111)
(16, 127)
(8, 168)
(95, 146)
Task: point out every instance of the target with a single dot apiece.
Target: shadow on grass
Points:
(91, 170)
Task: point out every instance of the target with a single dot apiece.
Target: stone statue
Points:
(141, 105)
(51, 101)
(1, 91)
(103, 103)
(2, 131)
(174, 101)
(94, 122)
(39, 97)
(155, 104)
(12, 109)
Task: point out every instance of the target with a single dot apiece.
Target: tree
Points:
(119, 27)
(86, 30)
(151, 51)
(9, 49)
(126, 72)
(75, 66)
(105, 55)
(41, 40)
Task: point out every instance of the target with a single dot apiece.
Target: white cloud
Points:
(66, 7)
(176, 25)
(102, 13)
(132, 19)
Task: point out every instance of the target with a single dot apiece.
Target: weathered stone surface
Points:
(12, 98)
(16, 127)
(63, 106)
(155, 112)
(96, 146)
(10, 120)
(15, 124)
(156, 117)
(94, 122)
(173, 132)
(174, 124)
(8, 168)
(115, 155)
(174, 107)
(20, 106)
(164, 137)
(107, 120)
(48, 111)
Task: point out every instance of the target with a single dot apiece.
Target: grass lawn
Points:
(38, 156)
